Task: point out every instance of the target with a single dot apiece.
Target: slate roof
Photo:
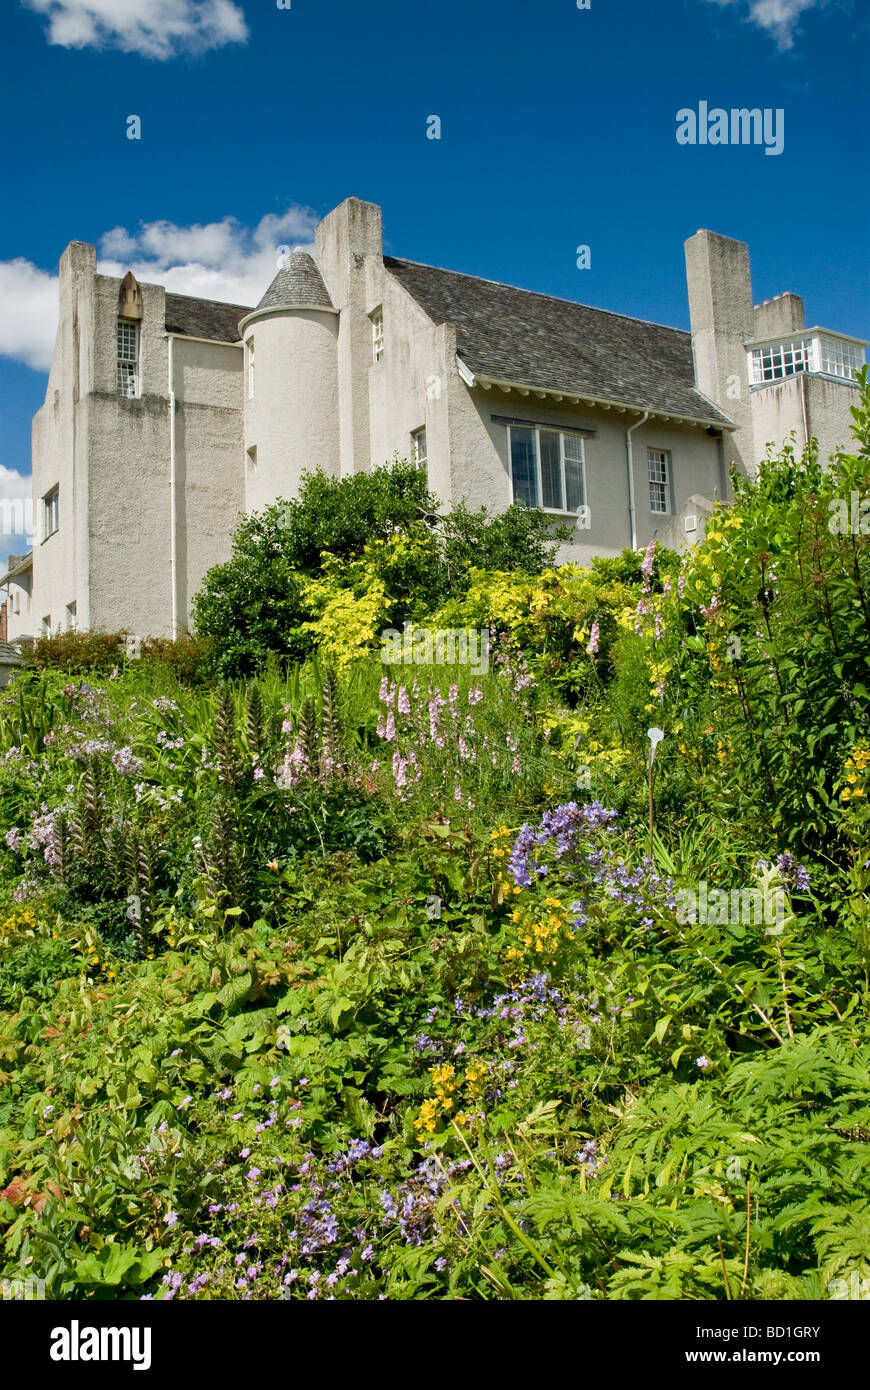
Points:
(512, 335)
(9, 656)
(204, 318)
(16, 564)
(298, 282)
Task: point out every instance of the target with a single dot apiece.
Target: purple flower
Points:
(124, 763)
(170, 1219)
(794, 875)
(703, 1062)
(646, 567)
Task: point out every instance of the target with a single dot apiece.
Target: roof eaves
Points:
(574, 398)
(26, 564)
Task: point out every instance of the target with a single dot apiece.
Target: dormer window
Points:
(377, 319)
(128, 359)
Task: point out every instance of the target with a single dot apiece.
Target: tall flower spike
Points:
(330, 753)
(224, 736)
(307, 742)
(254, 718)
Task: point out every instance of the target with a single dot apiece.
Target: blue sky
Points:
(558, 128)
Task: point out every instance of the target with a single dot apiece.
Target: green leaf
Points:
(108, 1267)
(662, 1027)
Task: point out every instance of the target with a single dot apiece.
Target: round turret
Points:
(291, 383)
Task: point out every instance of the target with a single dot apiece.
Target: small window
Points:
(659, 481)
(46, 625)
(418, 447)
(51, 512)
(250, 347)
(377, 319)
(547, 469)
(252, 459)
(70, 616)
(128, 359)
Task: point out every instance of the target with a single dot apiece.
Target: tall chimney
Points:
(723, 320)
(349, 254)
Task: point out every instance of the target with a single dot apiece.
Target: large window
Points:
(659, 464)
(839, 357)
(547, 468)
(128, 358)
(821, 352)
(50, 513)
(776, 360)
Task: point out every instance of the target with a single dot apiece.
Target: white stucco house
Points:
(168, 416)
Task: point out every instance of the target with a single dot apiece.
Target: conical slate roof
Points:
(298, 282)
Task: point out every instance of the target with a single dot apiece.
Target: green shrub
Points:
(186, 657)
(76, 651)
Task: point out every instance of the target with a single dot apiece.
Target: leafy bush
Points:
(186, 657)
(371, 537)
(76, 651)
(329, 984)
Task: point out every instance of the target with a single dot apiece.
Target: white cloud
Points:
(28, 313)
(780, 18)
(13, 486)
(16, 509)
(219, 260)
(155, 28)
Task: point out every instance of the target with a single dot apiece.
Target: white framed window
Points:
(776, 360)
(819, 352)
(548, 468)
(50, 512)
(418, 447)
(249, 352)
(837, 357)
(659, 468)
(377, 319)
(128, 359)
